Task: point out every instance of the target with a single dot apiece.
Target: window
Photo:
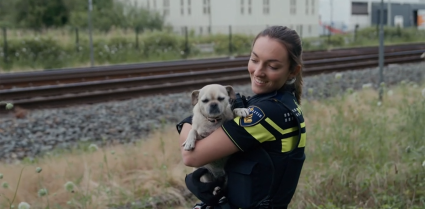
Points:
(249, 6)
(309, 29)
(307, 4)
(242, 6)
(359, 8)
(154, 4)
(207, 7)
(293, 7)
(312, 6)
(148, 5)
(182, 7)
(188, 7)
(266, 6)
(166, 10)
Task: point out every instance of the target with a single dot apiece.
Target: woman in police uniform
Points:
(266, 147)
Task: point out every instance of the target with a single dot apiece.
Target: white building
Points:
(244, 16)
(345, 14)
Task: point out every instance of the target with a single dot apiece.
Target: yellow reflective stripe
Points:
(282, 131)
(260, 133)
(274, 125)
(237, 120)
(303, 139)
(289, 143)
(303, 125)
(231, 138)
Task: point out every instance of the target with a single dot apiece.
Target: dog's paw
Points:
(189, 145)
(241, 112)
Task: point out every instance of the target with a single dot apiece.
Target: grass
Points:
(360, 154)
(58, 48)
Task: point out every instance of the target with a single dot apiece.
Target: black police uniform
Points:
(271, 140)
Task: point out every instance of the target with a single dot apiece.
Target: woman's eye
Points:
(205, 100)
(253, 60)
(220, 98)
(274, 68)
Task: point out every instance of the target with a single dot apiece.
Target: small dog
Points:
(211, 109)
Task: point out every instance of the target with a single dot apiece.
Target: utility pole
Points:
(331, 21)
(381, 51)
(389, 13)
(90, 34)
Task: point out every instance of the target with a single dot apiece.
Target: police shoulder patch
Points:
(255, 116)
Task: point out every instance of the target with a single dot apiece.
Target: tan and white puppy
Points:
(211, 109)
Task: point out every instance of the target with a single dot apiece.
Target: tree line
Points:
(106, 14)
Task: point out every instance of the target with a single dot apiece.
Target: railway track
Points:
(101, 73)
(71, 88)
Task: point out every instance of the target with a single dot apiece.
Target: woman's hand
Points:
(217, 145)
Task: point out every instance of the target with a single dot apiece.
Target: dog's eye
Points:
(220, 98)
(205, 100)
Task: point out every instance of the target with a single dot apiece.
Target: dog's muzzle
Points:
(214, 109)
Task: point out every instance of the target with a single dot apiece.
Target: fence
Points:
(69, 47)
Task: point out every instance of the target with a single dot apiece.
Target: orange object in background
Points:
(421, 19)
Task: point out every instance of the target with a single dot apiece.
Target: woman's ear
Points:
(295, 72)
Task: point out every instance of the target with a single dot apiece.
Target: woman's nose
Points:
(258, 71)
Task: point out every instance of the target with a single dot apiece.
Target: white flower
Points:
(42, 192)
(338, 76)
(367, 86)
(310, 91)
(93, 147)
(69, 186)
(390, 92)
(379, 103)
(23, 205)
(423, 92)
(9, 106)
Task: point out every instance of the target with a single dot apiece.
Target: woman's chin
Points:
(256, 89)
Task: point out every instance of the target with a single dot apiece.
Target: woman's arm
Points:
(217, 145)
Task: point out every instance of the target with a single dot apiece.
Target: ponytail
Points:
(299, 87)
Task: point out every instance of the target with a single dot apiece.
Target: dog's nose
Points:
(214, 108)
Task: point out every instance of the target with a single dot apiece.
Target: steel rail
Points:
(100, 91)
(76, 75)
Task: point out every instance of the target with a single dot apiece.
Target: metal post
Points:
(389, 13)
(230, 41)
(381, 51)
(5, 45)
(186, 44)
(137, 37)
(331, 21)
(90, 33)
(77, 40)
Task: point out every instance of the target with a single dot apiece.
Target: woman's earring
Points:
(291, 81)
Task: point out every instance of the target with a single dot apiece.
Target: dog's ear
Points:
(195, 95)
(231, 92)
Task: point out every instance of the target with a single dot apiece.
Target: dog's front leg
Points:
(189, 144)
(241, 112)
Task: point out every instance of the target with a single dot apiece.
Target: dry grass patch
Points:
(359, 155)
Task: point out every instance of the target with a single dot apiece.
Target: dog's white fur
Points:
(211, 109)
